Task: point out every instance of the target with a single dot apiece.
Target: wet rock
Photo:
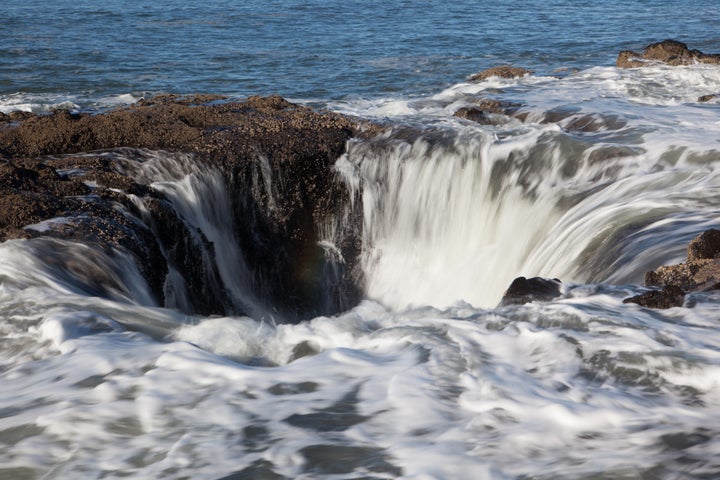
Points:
(708, 98)
(502, 71)
(705, 246)
(669, 52)
(669, 296)
(473, 113)
(487, 111)
(700, 271)
(277, 158)
(604, 153)
(595, 123)
(525, 290)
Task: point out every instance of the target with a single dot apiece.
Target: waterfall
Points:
(454, 214)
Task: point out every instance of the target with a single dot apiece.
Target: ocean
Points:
(609, 173)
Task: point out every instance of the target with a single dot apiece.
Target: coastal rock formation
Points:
(73, 176)
(525, 290)
(670, 52)
(708, 98)
(502, 71)
(667, 297)
(486, 111)
(700, 271)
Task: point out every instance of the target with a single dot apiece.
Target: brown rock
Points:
(45, 169)
(502, 71)
(484, 110)
(473, 113)
(629, 59)
(670, 52)
(700, 271)
(670, 296)
(705, 246)
(708, 98)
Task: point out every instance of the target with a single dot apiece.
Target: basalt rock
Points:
(275, 157)
(488, 111)
(669, 52)
(700, 271)
(708, 98)
(502, 71)
(667, 297)
(525, 290)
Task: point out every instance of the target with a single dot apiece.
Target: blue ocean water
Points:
(319, 50)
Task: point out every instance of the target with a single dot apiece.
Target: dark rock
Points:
(486, 111)
(700, 271)
(603, 153)
(708, 98)
(670, 296)
(277, 158)
(502, 71)
(596, 123)
(473, 113)
(670, 52)
(525, 290)
(705, 246)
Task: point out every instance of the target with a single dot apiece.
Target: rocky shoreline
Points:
(276, 158)
(73, 176)
(666, 52)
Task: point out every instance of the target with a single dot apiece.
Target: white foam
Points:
(36, 103)
(44, 103)
(440, 394)
(58, 327)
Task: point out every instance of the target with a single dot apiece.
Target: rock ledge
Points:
(669, 52)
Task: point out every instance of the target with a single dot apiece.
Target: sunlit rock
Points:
(669, 296)
(670, 52)
(502, 71)
(700, 271)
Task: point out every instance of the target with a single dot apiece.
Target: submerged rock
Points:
(488, 111)
(669, 296)
(275, 157)
(670, 52)
(502, 71)
(525, 290)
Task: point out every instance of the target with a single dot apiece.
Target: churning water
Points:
(609, 175)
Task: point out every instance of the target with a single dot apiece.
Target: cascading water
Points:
(446, 218)
(200, 196)
(456, 212)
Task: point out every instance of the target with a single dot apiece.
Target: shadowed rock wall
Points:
(276, 157)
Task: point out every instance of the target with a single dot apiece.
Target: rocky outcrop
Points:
(525, 290)
(708, 98)
(669, 52)
(276, 158)
(502, 71)
(700, 271)
(667, 297)
(488, 111)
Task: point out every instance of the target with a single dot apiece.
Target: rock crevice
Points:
(60, 176)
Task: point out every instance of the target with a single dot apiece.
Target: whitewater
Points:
(607, 175)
